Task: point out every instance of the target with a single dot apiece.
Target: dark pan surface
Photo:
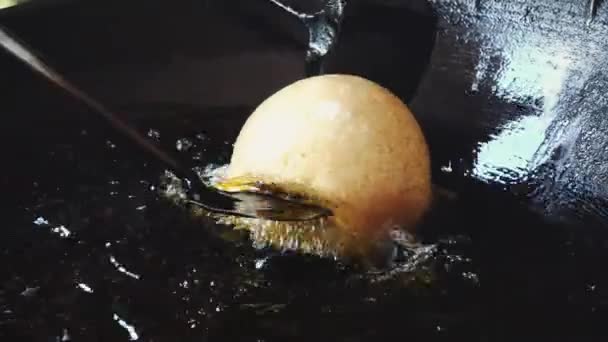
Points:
(523, 82)
(90, 252)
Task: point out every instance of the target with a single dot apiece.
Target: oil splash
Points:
(400, 258)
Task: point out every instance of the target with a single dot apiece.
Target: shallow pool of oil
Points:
(90, 251)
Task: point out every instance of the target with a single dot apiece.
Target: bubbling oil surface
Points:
(93, 250)
(320, 237)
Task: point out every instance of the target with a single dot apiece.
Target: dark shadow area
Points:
(391, 45)
(208, 53)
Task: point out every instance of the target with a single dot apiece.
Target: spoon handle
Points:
(25, 54)
(194, 186)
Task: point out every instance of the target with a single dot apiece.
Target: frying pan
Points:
(508, 93)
